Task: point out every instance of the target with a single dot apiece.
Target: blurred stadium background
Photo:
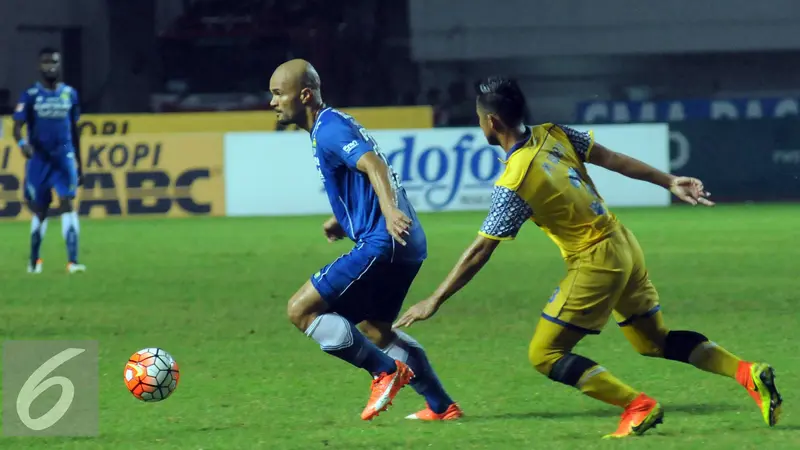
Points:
(177, 124)
(724, 75)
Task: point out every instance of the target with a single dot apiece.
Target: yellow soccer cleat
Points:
(641, 415)
(759, 380)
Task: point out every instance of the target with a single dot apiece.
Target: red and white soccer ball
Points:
(151, 374)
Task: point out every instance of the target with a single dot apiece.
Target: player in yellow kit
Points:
(546, 181)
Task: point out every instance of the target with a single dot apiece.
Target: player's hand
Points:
(27, 150)
(421, 311)
(690, 190)
(333, 230)
(398, 224)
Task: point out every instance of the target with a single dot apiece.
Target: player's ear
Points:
(306, 95)
(492, 121)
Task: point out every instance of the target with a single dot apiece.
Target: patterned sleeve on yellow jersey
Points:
(506, 216)
(582, 141)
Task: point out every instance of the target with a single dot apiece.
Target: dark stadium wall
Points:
(445, 30)
(132, 53)
(29, 25)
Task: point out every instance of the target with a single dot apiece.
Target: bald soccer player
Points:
(366, 286)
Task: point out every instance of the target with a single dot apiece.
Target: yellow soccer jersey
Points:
(545, 180)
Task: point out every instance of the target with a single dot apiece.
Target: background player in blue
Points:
(368, 285)
(50, 111)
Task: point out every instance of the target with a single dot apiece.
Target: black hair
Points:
(502, 96)
(47, 51)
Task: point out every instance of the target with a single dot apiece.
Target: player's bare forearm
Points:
(630, 167)
(76, 142)
(18, 130)
(471, 262)
(24, 146)
(378, 173)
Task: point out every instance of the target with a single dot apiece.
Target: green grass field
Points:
(213, 292)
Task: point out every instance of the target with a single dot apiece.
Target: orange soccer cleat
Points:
(641, 415)
(453, 412)
(384, 388)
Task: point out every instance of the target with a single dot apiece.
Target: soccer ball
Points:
(151, 375)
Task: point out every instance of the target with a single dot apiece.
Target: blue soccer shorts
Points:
(46, 172)
(362, 286)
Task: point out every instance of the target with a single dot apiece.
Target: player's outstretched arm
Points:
(471, 262)
(690, 190)
(397, 223)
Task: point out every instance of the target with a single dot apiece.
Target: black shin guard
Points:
(679, 345)
(570, 368)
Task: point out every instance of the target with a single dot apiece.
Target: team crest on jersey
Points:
(20, 107)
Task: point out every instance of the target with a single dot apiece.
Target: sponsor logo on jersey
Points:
(349, 147)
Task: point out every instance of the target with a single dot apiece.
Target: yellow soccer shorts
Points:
(608, 278)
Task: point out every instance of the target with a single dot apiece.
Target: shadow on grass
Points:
(698, 409)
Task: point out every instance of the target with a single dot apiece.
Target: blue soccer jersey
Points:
(338, 142)
(50, 116)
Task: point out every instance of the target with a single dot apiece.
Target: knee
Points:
(679, 345)
(649, 349)
(379, 334)
(559, 365)
(302, 312)
(543, 358)
(650, 346)
(297, 316)
(66, 205)
(37, 210)
(648, 339)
